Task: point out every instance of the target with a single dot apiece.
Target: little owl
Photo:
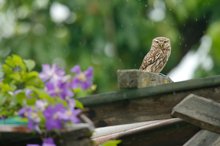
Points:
(157, 57)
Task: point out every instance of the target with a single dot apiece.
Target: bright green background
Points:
(107, 34)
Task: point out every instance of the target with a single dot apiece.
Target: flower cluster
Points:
(58, 85)
(56, 81)
(46, 99)
(82, 79)
(55, 116)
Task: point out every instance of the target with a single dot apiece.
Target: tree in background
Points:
(107, 35)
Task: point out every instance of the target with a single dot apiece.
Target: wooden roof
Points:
(149, 103)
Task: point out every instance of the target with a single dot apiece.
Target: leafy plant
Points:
(17, 78)
(46, 99)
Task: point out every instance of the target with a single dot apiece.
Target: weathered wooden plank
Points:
(130, 94)
(135, 78)
(150, 103)
(114, 132)
(204, 138)
(21, 136)
(199, 111)
(172, 132)
(17, 135)
(75, 136)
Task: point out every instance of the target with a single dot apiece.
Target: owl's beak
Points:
(161, 45)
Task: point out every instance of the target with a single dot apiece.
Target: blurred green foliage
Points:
(107, 35)
(111, 143)
(18, 74)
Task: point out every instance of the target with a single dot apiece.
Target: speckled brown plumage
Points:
(157, 57)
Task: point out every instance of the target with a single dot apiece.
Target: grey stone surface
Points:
(134, 78)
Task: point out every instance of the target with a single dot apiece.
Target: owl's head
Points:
(161, 43)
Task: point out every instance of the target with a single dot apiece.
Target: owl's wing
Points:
(151, 57)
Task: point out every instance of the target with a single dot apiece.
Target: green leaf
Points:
(31, 101)
(14, 69)
(30, 64)
(16, 63)
(5, 88)
(3, 99)
(32, 79)
(16, 76)
(79, 104)
(20, 97)
(111, 143)
(77, 90)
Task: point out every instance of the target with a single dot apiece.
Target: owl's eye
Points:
(157, 41)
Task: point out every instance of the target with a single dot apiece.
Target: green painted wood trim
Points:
(16, 120)
(131, 94)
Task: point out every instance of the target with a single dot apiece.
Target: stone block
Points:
(134, 78)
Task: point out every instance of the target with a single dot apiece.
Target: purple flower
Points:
(32, 115)
(82, 79)
(76, 69)
(57, 85)
(51, 72)
(69, 115)
(57, 116)
(48, 142)
(71, 103)
(52, 119)
(28, 93)
(24, 112)
(74, 115)
(73, 112)
(41, 105)
(59, 88)
(33, 124)
(17, 92)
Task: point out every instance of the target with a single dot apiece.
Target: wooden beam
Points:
(79, 135)
(146, 104)
(204, 138)
(170, 132)
(132, 94)
(199, 111)
(104, 134)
